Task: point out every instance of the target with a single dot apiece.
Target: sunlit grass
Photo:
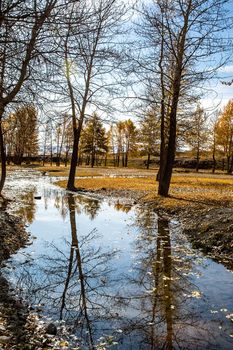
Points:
(185, 190)
(62, 171)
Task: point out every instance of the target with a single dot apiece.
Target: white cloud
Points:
(226, 69)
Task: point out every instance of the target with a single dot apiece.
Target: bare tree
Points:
(90, 58)
(197, 133)
(22, 26)
(180, 36)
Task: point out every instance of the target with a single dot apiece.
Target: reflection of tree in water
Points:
(27, 207)
(122, 207)
(159, 290)
(151, 308)
(89, 206)
(74, 282)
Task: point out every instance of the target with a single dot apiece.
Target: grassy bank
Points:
(188, 189)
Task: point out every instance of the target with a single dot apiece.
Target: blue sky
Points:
(219, 94)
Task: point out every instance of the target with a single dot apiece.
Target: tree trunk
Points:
(118, 160)
(92, 160)
(223, 164)
(231, 165)
(74, 161)
(198, 160)
(214, 162)
(166, 174)
(123, 160)
(228, 164)
(126, 159)
(3, 160)
(168, 153)
(148, 161)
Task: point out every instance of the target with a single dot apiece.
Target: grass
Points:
(63, 171)
(185, 190)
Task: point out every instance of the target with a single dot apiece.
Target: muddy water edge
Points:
(106, 274)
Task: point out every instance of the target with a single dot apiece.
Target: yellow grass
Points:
(185, 190)
(62, 171)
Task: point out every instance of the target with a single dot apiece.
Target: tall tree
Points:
(123, 139)
(149, 131)
(197, 133)
(90, 57)
(224, 134)
(21, 134)
(130, 138)
(95, 142)
(22, 27)
(169, 29)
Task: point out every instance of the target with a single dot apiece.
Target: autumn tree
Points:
(149, 135)
(23, 28)
(62, 137)
(94, 140)
(196, 134)
(123, 137)
(224, 134)
(168, 33)
(129, 139)
(21, 134)
(214, 147)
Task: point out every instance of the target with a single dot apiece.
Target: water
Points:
(117, 275)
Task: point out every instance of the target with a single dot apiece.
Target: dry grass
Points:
(185, 190)
(63, 171)
(138, 184)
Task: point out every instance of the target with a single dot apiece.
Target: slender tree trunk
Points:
(148, 161)
(66, 159)
(3, 158)
(213, 155)
(123, 159)
(162, 109)
(198, 159)
(231, 165)
(228, 164)
(223, 164)
(74, 161)
(126, 159)
(51, 150)
(118, 160)
(92, 160)
(214, 164)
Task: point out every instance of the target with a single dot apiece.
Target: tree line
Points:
(74, 58)
(199, 135)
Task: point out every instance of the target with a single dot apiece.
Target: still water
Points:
(116, 275)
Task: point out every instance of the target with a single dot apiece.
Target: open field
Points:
(186, 188)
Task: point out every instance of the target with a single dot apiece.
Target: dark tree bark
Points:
(3, 159)
(148, 161)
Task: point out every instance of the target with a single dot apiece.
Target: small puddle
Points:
(117, 276)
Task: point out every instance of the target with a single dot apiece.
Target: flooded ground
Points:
(109, 274)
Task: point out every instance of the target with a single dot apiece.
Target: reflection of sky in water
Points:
(194, 303)
(112, 229)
